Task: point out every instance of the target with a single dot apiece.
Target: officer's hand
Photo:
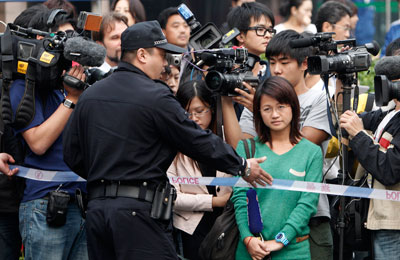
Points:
(258, 175)
(4, 167)
(245, 99)
(79, 73)
(350, 121)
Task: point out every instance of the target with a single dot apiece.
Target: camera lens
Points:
(385, 90)
(214, 80)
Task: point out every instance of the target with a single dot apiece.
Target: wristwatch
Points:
(247, 172)
(68, 103)
(281, 238)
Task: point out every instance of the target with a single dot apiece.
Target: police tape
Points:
(290, 185)
(43, 175)
(278, 184)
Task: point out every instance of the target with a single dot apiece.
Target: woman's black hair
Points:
(136, 9)
(287, 5)
(281, 90)
(197, 88)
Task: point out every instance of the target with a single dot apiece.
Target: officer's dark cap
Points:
(146, 35)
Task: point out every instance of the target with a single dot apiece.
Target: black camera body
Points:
(346, 62)
(222, 77)
(327, 58)
(25, 48)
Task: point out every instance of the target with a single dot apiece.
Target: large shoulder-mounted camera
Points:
(40, 62)
(229, 68)
(328, 59)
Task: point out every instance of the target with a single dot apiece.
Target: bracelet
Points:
(248, 242)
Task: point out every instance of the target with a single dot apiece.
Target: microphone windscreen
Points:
(86, 53)
(388, 66)
(253, 211)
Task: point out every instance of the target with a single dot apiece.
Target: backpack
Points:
(222, 240)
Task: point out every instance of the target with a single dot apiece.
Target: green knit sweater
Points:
(282, 211)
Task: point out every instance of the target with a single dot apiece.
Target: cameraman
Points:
(375, 141)
(255, 22)
(42, 138)
(334, 17)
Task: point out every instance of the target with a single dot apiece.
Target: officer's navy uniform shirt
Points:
(128, 127)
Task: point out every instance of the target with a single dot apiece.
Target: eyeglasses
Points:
(199, 114)
(280, 109)
(346, 28)
(262, 31)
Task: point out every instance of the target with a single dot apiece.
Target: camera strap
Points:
(219, 117)
(7, 69)
(330, 108)
(26, 107)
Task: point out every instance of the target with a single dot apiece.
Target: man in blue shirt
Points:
(42, 137)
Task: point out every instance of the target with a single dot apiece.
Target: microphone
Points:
(302, 42)
(254, 214)
(86, 53)
(207, 59)
(388, 66)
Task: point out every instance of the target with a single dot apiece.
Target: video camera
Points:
(385, 90)
(202, 37)
(222, 77)
(41, 62)
(49, 56)
(353, 60)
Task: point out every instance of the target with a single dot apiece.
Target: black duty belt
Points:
(116, 189)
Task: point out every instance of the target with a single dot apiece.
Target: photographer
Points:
(141, 127)
(375, 141)
(42, 238)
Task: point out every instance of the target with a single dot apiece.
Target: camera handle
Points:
(347, 80)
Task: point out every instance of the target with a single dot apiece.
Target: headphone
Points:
(51, 21)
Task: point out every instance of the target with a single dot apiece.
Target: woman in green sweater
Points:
(285, 214)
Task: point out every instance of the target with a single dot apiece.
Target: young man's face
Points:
(287, 68)
(341, 28)
(112, 42)
(177, 31)
(254, 43)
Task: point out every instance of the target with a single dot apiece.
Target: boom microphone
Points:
(86, 53)
(388, 66)
(302, 42)
(254, 214)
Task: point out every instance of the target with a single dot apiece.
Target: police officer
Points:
(123, 135)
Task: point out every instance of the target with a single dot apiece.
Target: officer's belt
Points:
(116, 189)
